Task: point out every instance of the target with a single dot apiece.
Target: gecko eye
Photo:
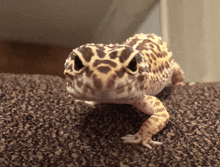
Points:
(133, 64)
(78, 64)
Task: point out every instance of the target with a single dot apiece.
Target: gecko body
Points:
(128, 73)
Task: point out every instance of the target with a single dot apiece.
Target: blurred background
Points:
(37, 36)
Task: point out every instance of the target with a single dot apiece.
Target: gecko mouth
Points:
(120, 94)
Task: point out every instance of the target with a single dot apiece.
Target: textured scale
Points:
(127, 73)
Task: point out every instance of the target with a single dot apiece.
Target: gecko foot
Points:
(90, 103)
(135, 139)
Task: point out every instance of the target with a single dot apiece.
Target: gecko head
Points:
(106, 73)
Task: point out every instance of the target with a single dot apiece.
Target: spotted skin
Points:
(128, 73)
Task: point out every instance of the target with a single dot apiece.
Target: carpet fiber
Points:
(40, 125)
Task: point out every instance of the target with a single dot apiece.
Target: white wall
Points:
(152, 22)
(192, 30)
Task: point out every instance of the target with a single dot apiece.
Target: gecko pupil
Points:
(133, 64)
(78, 64)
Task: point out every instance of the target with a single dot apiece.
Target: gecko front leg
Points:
(159, 118)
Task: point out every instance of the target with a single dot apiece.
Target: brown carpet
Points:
(41, 126)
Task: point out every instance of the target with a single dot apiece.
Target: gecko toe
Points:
(155, 142)
(150, 143)
(131, 139)
(135, 139)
